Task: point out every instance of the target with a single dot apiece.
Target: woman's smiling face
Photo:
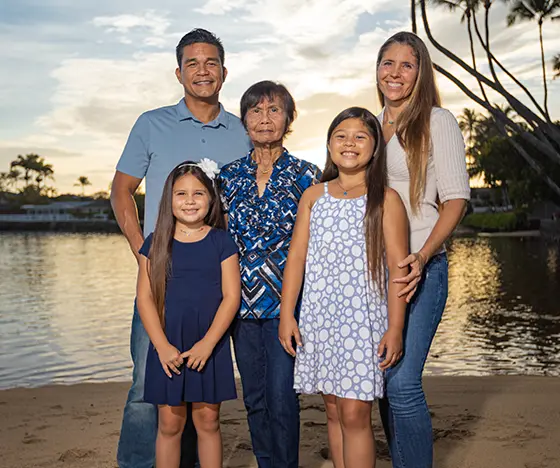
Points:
(397, 73)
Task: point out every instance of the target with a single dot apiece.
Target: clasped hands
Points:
(416, 262)
(195, 358)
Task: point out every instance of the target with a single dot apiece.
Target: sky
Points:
(74, 76)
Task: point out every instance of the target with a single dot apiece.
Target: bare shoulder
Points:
(392, 198)
(393, 205)
(312, 194)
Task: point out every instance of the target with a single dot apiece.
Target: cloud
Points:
(220, 7)
(102, 97)
(99, 73)
(152, 25)
(313, 22)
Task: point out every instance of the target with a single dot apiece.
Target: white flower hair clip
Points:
(209, 167)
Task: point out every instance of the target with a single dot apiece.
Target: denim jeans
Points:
(404, 412)
(137, 442)
(267, 376)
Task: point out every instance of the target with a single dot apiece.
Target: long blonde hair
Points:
(413, 124)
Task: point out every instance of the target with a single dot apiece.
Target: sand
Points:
(486, 422)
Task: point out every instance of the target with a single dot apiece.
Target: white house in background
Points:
(63, 211)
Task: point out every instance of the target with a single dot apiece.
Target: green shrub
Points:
(496, 222)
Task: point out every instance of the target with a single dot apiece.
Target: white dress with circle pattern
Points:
(343, 317)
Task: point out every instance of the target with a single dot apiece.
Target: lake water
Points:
(66, 305)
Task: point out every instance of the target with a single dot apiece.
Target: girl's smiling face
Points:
(351, 145)
(191, 200)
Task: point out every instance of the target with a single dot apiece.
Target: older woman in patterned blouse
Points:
(261, 192)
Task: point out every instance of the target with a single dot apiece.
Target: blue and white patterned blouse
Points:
(262, 226)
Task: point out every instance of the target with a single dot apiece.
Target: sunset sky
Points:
(74, 76)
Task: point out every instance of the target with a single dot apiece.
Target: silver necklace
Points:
(345, 191)
(189, 233)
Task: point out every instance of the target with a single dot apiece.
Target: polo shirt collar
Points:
(184, 113)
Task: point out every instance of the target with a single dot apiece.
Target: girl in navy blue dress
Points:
(188, 293)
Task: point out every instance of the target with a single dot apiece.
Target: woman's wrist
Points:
(424, 256)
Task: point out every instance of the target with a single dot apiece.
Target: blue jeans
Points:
(404, 412)
(267, 376)
(137, 442)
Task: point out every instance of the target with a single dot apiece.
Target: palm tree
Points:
(4, 181)
(83, 181)
(533, 126)
(556, 65)
(14, 176)
(34, 168)
(468, 123)
(44, 171)
(539, 10)
(25, 163)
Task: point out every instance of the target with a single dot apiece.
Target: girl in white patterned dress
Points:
(351, 231)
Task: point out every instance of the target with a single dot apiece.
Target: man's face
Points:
(201, 72)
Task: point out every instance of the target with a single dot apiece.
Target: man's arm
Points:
(126, 212)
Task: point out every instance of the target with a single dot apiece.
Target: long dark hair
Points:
(162, 241)
(376, 183)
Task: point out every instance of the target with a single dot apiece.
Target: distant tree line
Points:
(29, 176)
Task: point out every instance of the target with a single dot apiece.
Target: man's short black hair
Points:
(268, 90)
(199, 36)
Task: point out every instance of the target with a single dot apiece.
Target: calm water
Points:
(66, 305)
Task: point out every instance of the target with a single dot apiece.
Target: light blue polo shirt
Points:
(164, 137)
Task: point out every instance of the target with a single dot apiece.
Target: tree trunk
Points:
(542, 144)
(543, 71)
(492, 58)
(413, 15)
(501, 122)
(473, 54)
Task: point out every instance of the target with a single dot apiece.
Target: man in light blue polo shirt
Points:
(197, 127)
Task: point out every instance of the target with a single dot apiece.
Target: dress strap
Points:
(326, 187)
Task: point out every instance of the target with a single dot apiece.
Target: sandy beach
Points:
(479, 422)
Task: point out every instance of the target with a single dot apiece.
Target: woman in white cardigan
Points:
(426, 166)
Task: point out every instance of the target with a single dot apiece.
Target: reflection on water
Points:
(66, 305)
(65, 308)
(501, 315)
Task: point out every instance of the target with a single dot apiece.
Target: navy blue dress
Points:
(194, 293)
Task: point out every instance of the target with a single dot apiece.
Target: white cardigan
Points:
(446, 174)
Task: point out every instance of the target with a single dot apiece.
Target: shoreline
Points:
(494, 421)
(78, 226)
(110, 226)
(463, 231)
